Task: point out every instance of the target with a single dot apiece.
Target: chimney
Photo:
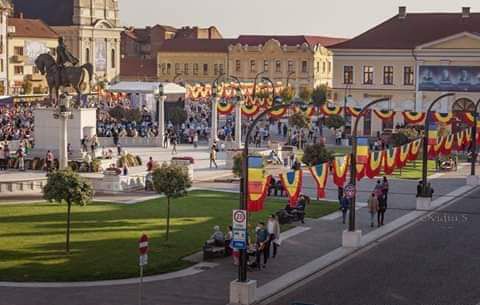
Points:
(402, 12)
(465, 12)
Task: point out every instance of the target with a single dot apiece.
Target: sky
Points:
(340, 18)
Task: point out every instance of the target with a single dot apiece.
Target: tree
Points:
(172, 181)
(177, 116)
(299, 120)
(335, 121)
(319, 95)
(287, 94)
(316, 154)
(305, 94)
(67, 186)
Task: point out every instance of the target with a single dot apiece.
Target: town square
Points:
(213, 153)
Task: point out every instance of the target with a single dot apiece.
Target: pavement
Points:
(211, 287)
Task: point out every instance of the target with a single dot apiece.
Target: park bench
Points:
(211, 252)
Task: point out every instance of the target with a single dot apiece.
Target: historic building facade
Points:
(27, 38)
(5, 11)
(411, 58)
(91, 29)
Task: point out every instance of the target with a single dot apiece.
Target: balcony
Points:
(35, 77)
(18, 58)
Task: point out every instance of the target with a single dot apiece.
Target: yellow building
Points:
(412, 58)
(27, 38)
(193, 60)
(301, 61)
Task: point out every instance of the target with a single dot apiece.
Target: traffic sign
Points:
(350, 191)
(240, 219)
(239, 229)
(143, 244)
(143, 261)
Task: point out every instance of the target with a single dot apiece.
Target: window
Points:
(324, 67)
(205, 69)
(177, 68)
(185, 69)
(18, 70)
(253, 65)
(265, 65)
(278, 66)
(195, 69)
(388, 75)
(291, 67)
(169, 68)
(318, 67)
(367, 123)
(113, 59)
(304, 66)
(329, 67)
(222, 69)
(2, 65)
(368, 75)
(18, 51)
(348, 75)
(87, 55)
(238, 65)
(408, 76)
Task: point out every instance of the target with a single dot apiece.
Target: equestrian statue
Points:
(63, 72)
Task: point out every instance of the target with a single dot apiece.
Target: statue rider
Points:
(63, 57)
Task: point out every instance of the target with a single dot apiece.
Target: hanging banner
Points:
(327, 110)
(459, 141)
(250, 110)
(100, 55)
(447, 145)
(467, 140)
(469, 118)
(340, 169)
(361, 170)
(444, 118)
(374, 165)
(320, 175)
(390, 160)
(292, 183)
(258, 184)
(308, 111)
(414, 149)
(434, 149)
(402, 155)
(443, 78)
(432, 134)
(412, 117)
(278, 114)
(384, 115)
(362, 150)
(225, 108)
(354, 111)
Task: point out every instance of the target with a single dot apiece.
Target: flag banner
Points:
(320, 175)
(340, 169)
(250, 110)
(374, 165)
(308, 111)
(467, 140)
(258, 184)
(354, 111)
(445, 118)
(412, 117)
(362, 150)
(447, 145)
(468, 118)
(292, 183)
(434, 149)
(384, 115)
(414, 149)
(402, 155)
(360, 170)
(278, 114)
(459, 141)
(327, 110)
(390, 160)
(432, 134)
(225, 108)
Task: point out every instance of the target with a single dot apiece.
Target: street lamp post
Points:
(425, 191)
(474, 139)
(160, 96)
(353, 161)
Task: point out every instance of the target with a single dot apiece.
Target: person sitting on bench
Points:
(217, 239)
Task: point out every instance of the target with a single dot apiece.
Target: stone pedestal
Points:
(473, 180)
(161, 119)
(47, 129)
(238, 126)
(242, 293)
(424, 203)
(351, 239)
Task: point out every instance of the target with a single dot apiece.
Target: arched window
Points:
(87, 55)
(113, 58)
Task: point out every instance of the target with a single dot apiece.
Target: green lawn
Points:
(104, 236)
(413, 171)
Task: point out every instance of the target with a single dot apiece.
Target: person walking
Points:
(344, 206)
(195, 140)
(213, 156)
(273, 228)
(49, 161)
(382, 208)
(372, 208)
(21, 158)
(174, 144)
(261, 235)
(385, 186)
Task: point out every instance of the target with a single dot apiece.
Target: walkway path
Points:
(211, 286)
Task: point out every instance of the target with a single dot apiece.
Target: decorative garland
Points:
(292, 183)
(225, 108)
(354, 111)
(412, 117)
(374, 165)
(278, 114)
(384, 115)
(414, 149)
(327, 110)
(340, 169)
(445, 118)
(390, 160)
(250, 110)
(320, 175)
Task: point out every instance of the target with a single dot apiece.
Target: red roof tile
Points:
(34, 28)
(197, 45)
(413, 30)
(290, 40)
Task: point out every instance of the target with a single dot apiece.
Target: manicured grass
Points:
(105, 236)
(413, 171)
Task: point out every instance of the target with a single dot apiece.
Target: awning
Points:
(146, 88)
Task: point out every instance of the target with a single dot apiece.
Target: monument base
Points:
(242, 293)
(473, 180)
(351, 239)
(424, 203)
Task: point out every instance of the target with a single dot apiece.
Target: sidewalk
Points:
(211, 287)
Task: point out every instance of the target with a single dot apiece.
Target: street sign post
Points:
(143, 261)
(239, 229)
(350, 191)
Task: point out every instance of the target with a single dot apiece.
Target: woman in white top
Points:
(273, 228)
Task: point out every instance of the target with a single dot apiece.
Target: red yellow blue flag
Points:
(320, 175)
(258, 184)
(292, 183)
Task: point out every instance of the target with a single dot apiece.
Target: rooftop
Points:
(291, 40)
(197, 45)
(31, 28)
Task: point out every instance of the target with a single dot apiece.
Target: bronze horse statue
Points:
(58, 77)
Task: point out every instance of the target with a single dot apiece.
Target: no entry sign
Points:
(143, 244)
(350, 191)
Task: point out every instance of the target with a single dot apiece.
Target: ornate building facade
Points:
(91, 29)
(5, 10)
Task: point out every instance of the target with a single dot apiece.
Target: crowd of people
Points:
(16, 123)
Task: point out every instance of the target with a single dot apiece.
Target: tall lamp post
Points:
(353, 161)
(160, 97)
(474, 156)
(425, 191)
